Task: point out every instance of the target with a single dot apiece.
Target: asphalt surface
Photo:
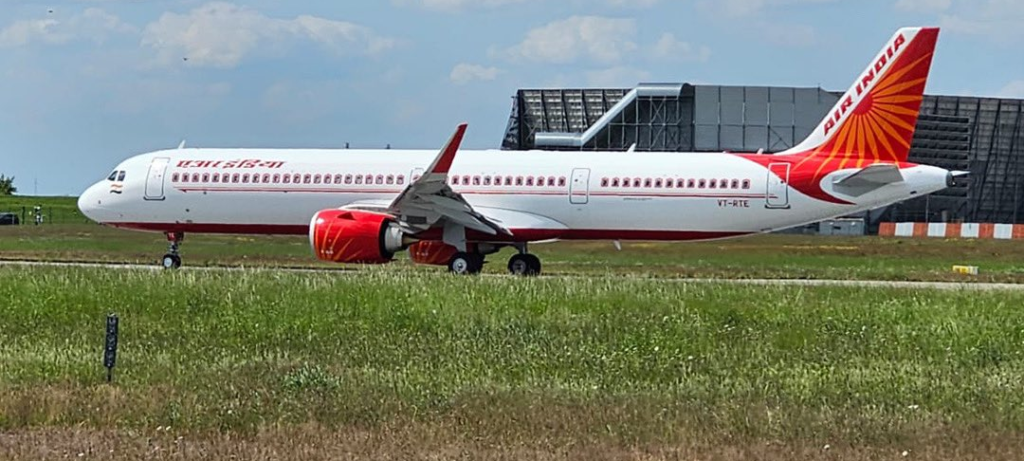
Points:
(953, 286)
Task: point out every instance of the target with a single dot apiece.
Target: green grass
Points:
(766, 256)
(56, 210)
(627, 362)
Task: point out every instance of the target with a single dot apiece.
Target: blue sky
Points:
(87, 83)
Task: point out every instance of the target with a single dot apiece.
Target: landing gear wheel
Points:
(466, 263)
(524, 264)
(171, 261)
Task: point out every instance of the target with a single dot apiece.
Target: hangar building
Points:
(982, 135)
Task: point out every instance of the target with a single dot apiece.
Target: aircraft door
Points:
(579, 187)
(778, 186)
(155, 180)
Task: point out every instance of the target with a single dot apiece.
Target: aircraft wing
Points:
(428, 201)
(868, 179)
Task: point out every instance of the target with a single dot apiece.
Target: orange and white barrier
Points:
(952, 230)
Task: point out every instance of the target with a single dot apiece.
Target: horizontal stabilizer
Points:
(868, 179)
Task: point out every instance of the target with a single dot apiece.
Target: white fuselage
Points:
(583, 195)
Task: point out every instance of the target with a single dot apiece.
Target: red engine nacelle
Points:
(431, 252)
(344, 236)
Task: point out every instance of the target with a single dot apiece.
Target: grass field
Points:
(380, 364)
(61, 210)
(767, 256)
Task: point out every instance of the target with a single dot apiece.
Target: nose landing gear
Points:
(172, 260)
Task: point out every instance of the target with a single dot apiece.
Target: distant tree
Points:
(7, 185)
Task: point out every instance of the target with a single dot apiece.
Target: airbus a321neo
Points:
(455, 207)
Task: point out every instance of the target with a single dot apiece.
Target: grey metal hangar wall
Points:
(982, 135)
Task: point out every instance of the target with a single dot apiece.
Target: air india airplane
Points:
(452, 208)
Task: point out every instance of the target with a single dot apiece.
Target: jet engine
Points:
(431, 252)
(345, 236)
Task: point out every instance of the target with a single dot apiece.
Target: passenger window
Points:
(184, 177)
(625, 182)
(120, 176)
(508, 180)
(476, 180)
(680, 183)
(206, 177)
(657, 183)
(702, 184)
(723, 184)
(691, 183)
(390, 179)
(712, 184)
(519, 180)
(287, 179)
(636, 182)
(455, 180)
(348, 179)
(647, 183)
(540, 181)
(235, 177)
(487, 180)
(337, 179)
(380, 179)
(307, 179)
(401, 180)
(245, 178)
(551, 181)
(669, 183)
(561, 181)
(529, 180)
(277, 179)
(746, 184)
(615, 182)
(735, 184)
(175, 177)
(297, 178)
(317, 179)
(604, 182)
(266, 178)
(195, 177)
(359, 179)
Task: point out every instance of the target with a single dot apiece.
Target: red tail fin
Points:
(875, 120)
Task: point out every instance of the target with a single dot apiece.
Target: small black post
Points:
(110, 350)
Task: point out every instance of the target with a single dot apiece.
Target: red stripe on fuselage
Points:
(519, 235)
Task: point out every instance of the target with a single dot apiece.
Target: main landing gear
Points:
(172, 260)
(469, 263)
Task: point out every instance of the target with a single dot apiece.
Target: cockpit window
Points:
(112, 176)
(120, 176)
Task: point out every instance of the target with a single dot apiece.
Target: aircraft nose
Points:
(89, 203)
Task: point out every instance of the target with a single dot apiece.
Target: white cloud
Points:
(924, 6)
(617, 77)
(671, 48)
(749, 7)
(223, 34)
(92, 24)
(606, 40)
(996, 19)
(464, 73)
(1014, 89)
